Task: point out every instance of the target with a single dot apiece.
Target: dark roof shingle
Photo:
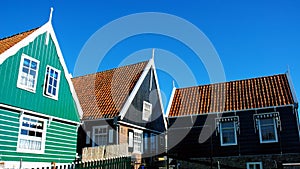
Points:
(232, 96)
(9, 42)
(103, 94)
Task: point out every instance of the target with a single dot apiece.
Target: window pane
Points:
(50, 80)
(26, 62)
(54, 91)
(24, 132)
(55, 83)
(228, 136)
(33, 65)
(25, 70)
(227, 125)
(266, 122)
(268, 133)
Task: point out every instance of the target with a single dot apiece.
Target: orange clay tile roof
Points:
(103, 94)
(232, 96)
(9, 42)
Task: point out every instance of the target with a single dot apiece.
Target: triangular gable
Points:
(31, 36)
(150, 67)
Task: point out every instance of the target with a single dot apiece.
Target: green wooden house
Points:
(39, 110)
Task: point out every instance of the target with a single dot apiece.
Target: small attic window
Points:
(51, 86)
(28, 73)
(147, 110)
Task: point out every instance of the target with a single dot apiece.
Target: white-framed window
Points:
(138, 141)
(51, 86)
(99, 136)
(32, 134)
(147, 110)
(254, 165)
(153, 143)
(267, 130)
(130, 139)
(88, 137)
(228, 128)
(228, 135)
(110, 136)
(28, 73)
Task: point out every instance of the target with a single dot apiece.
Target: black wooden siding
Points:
(247, 138)
(134, 113)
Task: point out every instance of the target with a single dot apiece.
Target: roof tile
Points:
(232, 96)
(9, 42)
(103, 94)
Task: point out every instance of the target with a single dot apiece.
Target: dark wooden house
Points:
(250, 123)
(122, 105)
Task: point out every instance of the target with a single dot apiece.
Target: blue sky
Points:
(252, 38)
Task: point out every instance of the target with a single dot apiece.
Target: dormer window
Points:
(51, 86)
(28, 73)
(147, 110)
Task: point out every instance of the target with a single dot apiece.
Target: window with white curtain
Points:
(32, 134)
(138, 141)
(28, 73)
(99, 136)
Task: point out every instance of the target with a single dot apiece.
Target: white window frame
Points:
(275, 131)
(103, 134)
(137, 141)
(25, 87)
(32, 138)
(254, 163)
(146, 111)
(110, 136)
(130, 139)
(234, 130)
(46, 83)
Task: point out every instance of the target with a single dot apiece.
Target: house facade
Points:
(250, 123)
(39, 110)
(123, 106)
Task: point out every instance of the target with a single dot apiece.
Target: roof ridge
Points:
(112, 69)
(232, 81)
(7, 37)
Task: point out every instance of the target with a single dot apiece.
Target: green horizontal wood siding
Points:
(64, 107)
(60, 144)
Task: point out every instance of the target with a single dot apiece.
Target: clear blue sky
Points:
(252, 38)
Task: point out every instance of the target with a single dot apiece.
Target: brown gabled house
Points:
(250, 123)
(122, 105)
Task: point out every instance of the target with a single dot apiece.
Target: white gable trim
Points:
(135, 90)
(149, 66)
(30, 38)
(170, 101)
(159, 94)
(288, 75)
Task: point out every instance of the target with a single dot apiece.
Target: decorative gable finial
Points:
(50, 16)
(153, 52)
